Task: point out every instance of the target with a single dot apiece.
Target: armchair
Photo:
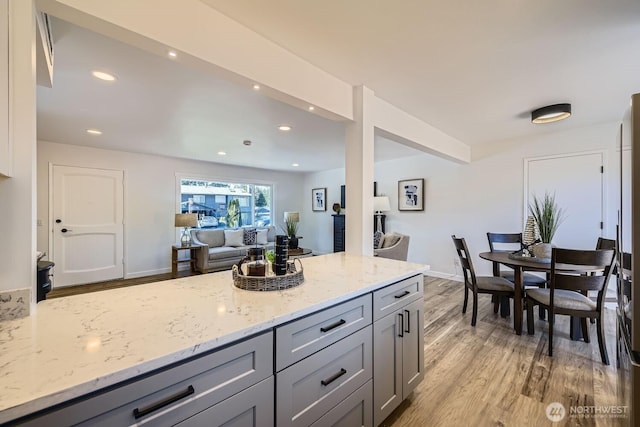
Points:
(397, 250)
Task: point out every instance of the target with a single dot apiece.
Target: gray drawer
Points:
(213, 378)
(303, 337)
(388, 300)
(250, 407)
(313, 386)
(354, 411)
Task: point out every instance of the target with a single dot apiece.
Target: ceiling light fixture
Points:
(551, 113)
(102, 75)
(246, 142)
(256, 87)
(94, 131)
(284, 128)
(295, 165)
(172, 54)
(221, 153)
(311, 108)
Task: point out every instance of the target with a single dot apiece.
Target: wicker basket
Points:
(269, 283)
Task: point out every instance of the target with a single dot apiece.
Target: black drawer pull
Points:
(408, 330)
(138, 413)
(333, 325)
(401, 334)
(402, 295)
(334, 377)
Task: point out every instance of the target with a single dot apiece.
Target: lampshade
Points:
(381, 204)
(186, 220)
(292, 216)
(551, 113)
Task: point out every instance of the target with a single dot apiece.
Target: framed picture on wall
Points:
(411, 195)
(343, 193)
(319, 199)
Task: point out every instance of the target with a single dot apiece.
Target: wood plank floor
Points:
(487, 375)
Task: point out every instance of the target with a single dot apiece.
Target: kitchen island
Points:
(76, 347)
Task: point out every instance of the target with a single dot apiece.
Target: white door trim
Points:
(603, 187)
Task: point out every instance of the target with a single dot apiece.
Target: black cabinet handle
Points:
(402, 295)
(401, 334)
(408, 330)
(138, 413)
(64, 230)
(334, 377)
(333, 325)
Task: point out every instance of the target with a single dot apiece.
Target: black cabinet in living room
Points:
(338, 233)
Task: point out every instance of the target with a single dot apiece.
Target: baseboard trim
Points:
(441, 275)
(138, 274)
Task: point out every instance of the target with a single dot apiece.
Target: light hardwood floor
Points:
(489, 376)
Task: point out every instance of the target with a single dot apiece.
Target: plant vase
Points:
(542, 250)
(293, 242)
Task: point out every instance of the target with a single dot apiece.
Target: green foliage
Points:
(233, 217)
(290, 228)
(261, 200)
(271, 256)
(547, 215)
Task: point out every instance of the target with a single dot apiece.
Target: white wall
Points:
(469, 200)
(150, 197)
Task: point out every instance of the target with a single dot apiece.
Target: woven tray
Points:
(269, 283)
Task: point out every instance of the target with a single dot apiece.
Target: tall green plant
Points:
(290, 227)
(547, 215)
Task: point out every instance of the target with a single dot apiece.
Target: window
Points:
(226, 204)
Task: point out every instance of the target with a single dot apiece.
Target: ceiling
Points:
(474, 70)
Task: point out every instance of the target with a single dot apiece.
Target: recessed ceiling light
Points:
(284, 128)
(256, 87)
(102, 75)
(295, 165)
(246, 142)
(94, 131)
(311, 108)
(172, 54)
(221, 153)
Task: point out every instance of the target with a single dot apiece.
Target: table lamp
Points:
(380, 204)
(186, 220)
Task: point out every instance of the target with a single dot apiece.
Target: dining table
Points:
(519, 264)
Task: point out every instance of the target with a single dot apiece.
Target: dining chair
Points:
(511, 242)
(499, 287)
(566, 288)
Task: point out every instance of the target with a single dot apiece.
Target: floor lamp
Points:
(380, 204)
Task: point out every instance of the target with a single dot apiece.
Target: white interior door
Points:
(577, 181)
(86, 222)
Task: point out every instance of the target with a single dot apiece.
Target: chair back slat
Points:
(606, 243)
(568, 268)
(504, 241)
(465, 261)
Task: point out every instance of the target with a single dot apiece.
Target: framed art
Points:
(319, 199)
(411, 195)
(343, 193)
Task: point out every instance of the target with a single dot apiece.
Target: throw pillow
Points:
(234, 238)
(378, 237)
(250, 236)
(390, 239)
(261, 238)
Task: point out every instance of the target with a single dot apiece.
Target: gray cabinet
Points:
(353, 411)
(175, 393)
(398, 345)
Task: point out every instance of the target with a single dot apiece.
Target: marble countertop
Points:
(75, 345)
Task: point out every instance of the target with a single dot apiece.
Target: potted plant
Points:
(548, 217)
(290, 229)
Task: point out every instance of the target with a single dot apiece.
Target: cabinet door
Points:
(387, 365)
(250, 408)
(412, 346)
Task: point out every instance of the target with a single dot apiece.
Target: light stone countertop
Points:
(75, 345)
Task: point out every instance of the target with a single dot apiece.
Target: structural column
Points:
(359, 173)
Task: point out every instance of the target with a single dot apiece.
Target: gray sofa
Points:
(394, 246)
(217, 255)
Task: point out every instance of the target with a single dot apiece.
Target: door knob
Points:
(58, 221)
(64, 230)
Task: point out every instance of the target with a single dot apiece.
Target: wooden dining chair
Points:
(499, 287)
(566, 289)
(511, 242)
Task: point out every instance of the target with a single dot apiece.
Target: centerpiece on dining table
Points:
(547, 216)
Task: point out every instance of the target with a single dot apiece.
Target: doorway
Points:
(86, 223)
(577, 182)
